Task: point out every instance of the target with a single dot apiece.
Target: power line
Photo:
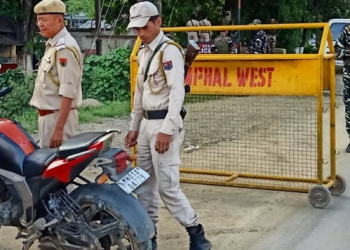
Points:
(115, 24)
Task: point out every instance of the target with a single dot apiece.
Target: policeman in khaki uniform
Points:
(157, 126)
(192, 35)
(57, 93)
(204, 36)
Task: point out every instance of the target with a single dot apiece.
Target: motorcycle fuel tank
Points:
(15, 145)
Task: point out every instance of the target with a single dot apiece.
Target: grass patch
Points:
(108, 109)
(29, 119)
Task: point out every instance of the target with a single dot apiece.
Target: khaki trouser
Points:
(204, 37)
(192, 36)
(47, 125)
(164, 182)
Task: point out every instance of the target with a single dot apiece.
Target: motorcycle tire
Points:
(91, 193)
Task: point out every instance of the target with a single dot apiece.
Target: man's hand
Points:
(56, 138)
(131, 139)
(162, 143)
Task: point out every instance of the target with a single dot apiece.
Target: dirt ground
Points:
(271, 136)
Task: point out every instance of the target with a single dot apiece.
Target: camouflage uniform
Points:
(342, 50)
(227, 21)
(222, 45)
(271, 39)
(258, 43)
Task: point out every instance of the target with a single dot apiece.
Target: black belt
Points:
(155, 114)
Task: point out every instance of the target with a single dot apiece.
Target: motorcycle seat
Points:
(78, 143)
(35, 163)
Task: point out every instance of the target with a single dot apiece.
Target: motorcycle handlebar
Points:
(5, 91)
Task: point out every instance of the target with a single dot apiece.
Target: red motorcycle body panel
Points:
(64, 170)
(16, 134)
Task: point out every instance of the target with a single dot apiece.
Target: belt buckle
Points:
(146, 115)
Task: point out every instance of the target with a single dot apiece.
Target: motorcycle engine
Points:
(5, 205)
(4, 193)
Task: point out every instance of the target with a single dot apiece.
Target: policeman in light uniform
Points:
(204, 36)
(157, 126)
(57, 93)
(192, 35)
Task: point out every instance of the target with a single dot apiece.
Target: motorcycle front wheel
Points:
(115, 209)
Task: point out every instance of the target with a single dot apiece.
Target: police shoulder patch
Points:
(168, 65)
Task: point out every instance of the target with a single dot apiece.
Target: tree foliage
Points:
(86, 6)
(178, 12)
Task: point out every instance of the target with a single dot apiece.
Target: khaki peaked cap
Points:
(50, 7)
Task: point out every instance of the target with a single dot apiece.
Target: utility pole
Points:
(239, 23)
(98, 18)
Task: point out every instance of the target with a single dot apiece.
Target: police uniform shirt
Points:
(192, 23)
(59, 73)
(160, 92)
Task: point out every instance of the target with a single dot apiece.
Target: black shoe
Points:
(348, 149)
(197, 238)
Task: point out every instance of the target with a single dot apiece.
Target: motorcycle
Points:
(96, 215)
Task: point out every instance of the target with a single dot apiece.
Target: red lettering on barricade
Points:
(256, 77)
(208, 76)
(226, 84)
(217, 77)
(270, 70)
(188, 78)
(221, 77)
(242, 76)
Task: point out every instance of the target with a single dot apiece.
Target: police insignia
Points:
(168, 65)
(63, 61)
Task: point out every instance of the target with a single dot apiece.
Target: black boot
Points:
(197, 238)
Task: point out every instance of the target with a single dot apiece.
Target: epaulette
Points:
(60, 44)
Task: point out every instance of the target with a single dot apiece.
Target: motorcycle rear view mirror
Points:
(4, 91)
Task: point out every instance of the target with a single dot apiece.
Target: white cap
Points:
(140, 14)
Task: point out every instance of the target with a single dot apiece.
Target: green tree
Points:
(86, 6)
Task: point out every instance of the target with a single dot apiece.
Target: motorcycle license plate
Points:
(133, 179)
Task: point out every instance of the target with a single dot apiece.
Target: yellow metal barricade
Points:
(256, 121)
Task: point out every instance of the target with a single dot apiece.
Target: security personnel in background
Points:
(342, 51)
(223, 44)
(57, 93)
(227, 21)
(271, 36)
(192, 35)
(156, 124)
(258, 42)
(204, 36)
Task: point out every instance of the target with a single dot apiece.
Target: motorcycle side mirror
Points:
(5, 91)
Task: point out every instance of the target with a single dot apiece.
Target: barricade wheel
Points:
(319, 196)
(339, 186)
